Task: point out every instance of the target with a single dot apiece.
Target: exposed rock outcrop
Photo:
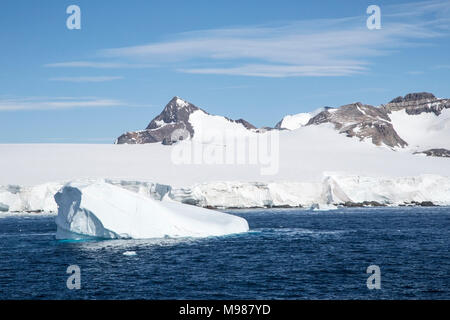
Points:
(436, 153)
(362, 121)
(175, 116)
(171, 125)
(417, 103)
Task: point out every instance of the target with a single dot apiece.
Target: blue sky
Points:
(257, 60)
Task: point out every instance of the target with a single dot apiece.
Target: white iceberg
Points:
(102, 210)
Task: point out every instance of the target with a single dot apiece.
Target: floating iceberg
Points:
(102, 210)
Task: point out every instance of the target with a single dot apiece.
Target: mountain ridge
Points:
(355, 120)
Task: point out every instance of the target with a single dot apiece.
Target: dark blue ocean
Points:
(288, 254)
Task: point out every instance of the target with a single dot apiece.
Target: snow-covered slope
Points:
(422, 120)
(302, 155)
(102, 210)
(423, 131)
(295, 121)
(216, 129)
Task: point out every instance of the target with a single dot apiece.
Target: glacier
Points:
(100, 210)
(334, 189)
(318, 168)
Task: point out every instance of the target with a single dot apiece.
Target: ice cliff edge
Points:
(104, 211)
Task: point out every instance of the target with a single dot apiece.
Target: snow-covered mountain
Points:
(177, 122)
(362, 121)
(418, 122)
(422, 120)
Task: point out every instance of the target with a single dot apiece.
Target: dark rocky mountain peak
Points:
(171, 125)
(175, 114)
(365, 121)
(245, 123)
(417, 103)
(414, 97)
(173, 119)
(362, 121)
(177, 110)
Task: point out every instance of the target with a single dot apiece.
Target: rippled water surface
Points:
(288, 254)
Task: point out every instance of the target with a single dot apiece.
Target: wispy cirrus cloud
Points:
(438, 8)
(87, 79)
(56, 103)
(279, 71)
(321, 47)
(97, 65)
